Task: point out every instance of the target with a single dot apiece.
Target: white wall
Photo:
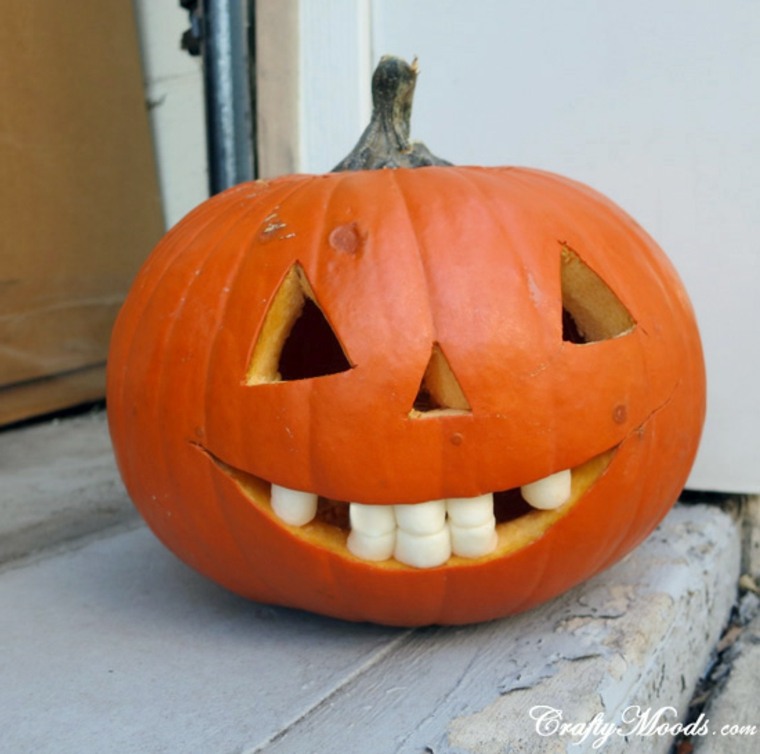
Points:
(174, 90)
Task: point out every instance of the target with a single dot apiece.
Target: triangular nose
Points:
(439, 388)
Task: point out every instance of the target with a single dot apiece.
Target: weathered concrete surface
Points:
(58, 481)
(631, 642)
(733, 712)
(751, 522)
(115, 646)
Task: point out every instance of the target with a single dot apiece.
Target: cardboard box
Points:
(79, 198)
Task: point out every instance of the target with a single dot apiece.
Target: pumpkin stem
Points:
(385, 142)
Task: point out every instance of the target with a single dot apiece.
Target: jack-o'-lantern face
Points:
(410, 396)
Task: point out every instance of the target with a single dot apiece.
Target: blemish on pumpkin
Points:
(641, 430)
(536, 294)
(259, 185)
(270, 228)
(457, 438)
(345, 238)
(620, 414)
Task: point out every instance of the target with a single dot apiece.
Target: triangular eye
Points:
(439, 390)
(590, 310)
(296, 341)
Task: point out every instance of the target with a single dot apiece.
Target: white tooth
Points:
(474, 541)
(368, 547)
(292, 506)
(373, 520)
(470, 511)
(423, 551)
(421, 518)
(550, 492)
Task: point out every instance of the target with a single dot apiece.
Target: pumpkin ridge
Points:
(326, 191)
(395, 177)
(474, 177)
(179, 238)
(223, 301)
(409, 183)
(633, 510)
(163, 386)
(184, 234)
(556, 189)
(244, 254)
(154, 271)
(329, 189)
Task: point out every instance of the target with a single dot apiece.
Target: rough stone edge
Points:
(735, 684)
(728, 693)
(751, 545)
(607, 683)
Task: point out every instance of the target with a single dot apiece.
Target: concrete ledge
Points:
(632, 641)
(731, 719)
(115, 646)
(59, 482)
(752, 537)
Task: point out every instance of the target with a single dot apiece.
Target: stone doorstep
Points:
(641, 634)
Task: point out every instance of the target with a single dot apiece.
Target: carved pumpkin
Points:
(339, 392)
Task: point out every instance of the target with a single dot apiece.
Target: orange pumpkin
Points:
(409, 341)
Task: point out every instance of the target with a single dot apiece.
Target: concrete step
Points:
(58, 482)
(110, 644)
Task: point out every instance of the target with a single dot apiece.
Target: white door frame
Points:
(312, 57)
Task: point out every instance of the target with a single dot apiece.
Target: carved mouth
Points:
(455, 531)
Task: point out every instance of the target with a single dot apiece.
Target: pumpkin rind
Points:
(460, 258)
